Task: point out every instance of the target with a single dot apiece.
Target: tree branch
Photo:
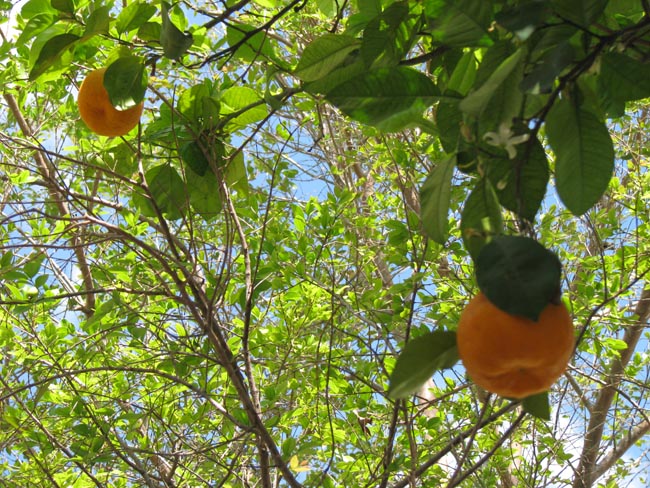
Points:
(586, 472)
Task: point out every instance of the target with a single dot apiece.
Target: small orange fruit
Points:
(511, 355)
(98, 113)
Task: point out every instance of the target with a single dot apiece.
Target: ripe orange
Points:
(98, 113)
(510, 355)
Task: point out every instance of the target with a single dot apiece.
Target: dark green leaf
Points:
(51, 52)
(476, 101)
(174, 42)
(623, 78)
(192, 155)
(125, 82)
(420, 358)
(582, 12)
(435, 196)
(523, 18)
(518, 275)
(463, 76)
(448, 118)
(584, 155)
(389, 99)
(538, 406)
(481, 218)
(460, 23)
(324, 54)
(168, 190)
(549, 67)
(521, 183)
(65, 6)
(134, 16)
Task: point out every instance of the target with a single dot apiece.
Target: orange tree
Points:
(261, 284)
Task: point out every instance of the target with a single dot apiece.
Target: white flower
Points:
(505, 138)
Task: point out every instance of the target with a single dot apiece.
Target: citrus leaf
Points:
(518, 275)
(523, 193)
(324, 54)
(460, 23)
(481, 218)
(125, 82)
(584, 155)
(249, 45)
(418, 361)
(174, 42)
(98, 22)
(582, 12)
(134, 16)
(623, 78)
(476, 101)
(168, 190)
(538, 406)
(51, 52)
(192, 155)
(387, 98)
(435, 196)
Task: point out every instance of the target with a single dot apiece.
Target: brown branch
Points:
(47, 172)
(585, 473)
(631, 438)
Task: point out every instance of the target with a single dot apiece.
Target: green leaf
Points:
(481, 217)
(244, 102)
(518, 275)
(435, 196)
(337, 77)
(249, 45)
(174, 42)
(35, 26)
(134, 16)
(460, 23)
(388, 98)
(623, 78)
(549, 67)
(387, 37)
(524, 18)
(98, 22)
(463, 76)
(476, 101)
(324, 54)
(204, 194)
(125, 82)
(168, 190)
(51, 52)
(521, 183)
(235, 173)
(192, 155)
(448, 119)
(420, 358)
(65, 6)
(582, 12)
(584, 155)
(538, 406)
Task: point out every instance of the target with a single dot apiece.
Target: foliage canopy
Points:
(220, 298)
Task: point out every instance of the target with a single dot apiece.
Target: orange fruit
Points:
(511, 355)
(98, 113)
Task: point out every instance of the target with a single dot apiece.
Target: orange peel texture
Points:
(513, 356)
(99, 114)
